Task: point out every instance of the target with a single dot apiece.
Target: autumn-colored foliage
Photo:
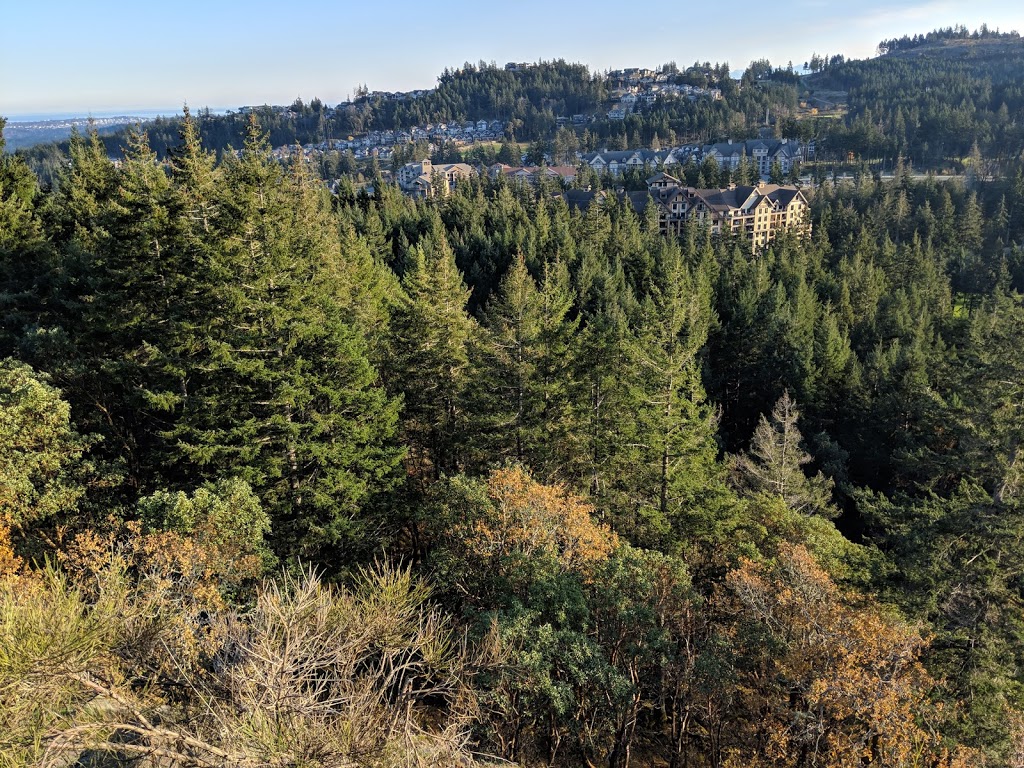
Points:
(835, 681)
(212, 373)
(532, 519)
(9, 562)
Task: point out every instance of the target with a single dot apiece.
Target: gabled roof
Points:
(773, 147)
(747, 198)
(621, 157)
(726, 149)
(661, 176)
(667, 195)
(781, 194)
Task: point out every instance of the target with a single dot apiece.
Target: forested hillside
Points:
(933, 99)
(947, 100)
(294, 479)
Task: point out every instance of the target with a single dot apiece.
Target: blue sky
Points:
(109, 55)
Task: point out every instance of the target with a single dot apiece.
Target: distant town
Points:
(628, 89)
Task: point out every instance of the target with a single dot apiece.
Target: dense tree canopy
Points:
(582, 434)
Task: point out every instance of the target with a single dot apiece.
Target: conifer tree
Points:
(367, 290)
(970, 224)
(745, 172)
(1016, 212)
(985, 407)
(524, 362)
(19, 223)
(510, 403)
(836, 368)
(27, 265)
(559, 328)
(192, 168)
(675, 474)
(429, 363)
(286, 398)
(118, 285)
(600, 409)
(776, 460)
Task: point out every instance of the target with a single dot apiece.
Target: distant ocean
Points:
(37, 117)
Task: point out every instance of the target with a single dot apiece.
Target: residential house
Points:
(533, 174)
(424, 179)
(763, 153)
(756, 213)
(617, 162)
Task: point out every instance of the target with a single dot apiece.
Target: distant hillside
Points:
(993, 50)
(953, 42)
(533, 102)
(929, 98)
(933, 97)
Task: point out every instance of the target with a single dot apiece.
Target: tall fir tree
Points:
(286, 397)
(429, 362)
(119, 233)
(525, 359)
(775, 463)
(678, 484)
(27, 264)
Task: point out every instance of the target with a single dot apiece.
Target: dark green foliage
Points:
(118, 277)
(677, 484)
(209, 323)
(284, 395)
(932, 102)
(268, 368)
(26, 263)
(521, 403)
(958, 568)
(429, 362)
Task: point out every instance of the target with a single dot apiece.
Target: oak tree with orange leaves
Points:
(826, 679)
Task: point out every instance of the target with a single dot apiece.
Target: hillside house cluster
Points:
(426, 179)
(397, 95)
(634, 96)
(463, 133)
(789, 153)
(381, 144)
(635, 77)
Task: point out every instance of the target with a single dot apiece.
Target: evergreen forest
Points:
(293, 478)
(938, 100)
